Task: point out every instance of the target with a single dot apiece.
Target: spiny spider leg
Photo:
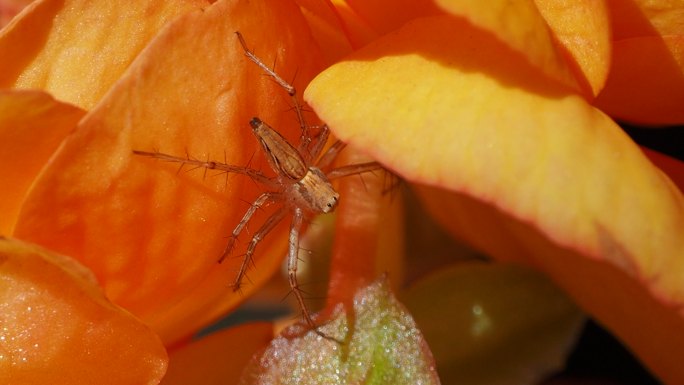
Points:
(263, 200)
(319, 142)
(292, 259)
(305, 138)
(353, 169)
(252, 173)
(330, 155)
(269, 225)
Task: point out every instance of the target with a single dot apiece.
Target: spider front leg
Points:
(289, 88)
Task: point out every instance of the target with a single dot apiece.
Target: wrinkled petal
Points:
(56, 327)
(151, 233)
(443, 105)
(32, 125)
(494, 323)
(50, 50)
(382, 345)
(582, 28)
(219, 358)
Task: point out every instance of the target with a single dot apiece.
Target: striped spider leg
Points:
(301, 186)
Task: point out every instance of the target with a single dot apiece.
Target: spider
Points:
(301, 185)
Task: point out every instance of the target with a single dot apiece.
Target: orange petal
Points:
(358, 29)
(153, 235)
(327, 28)
(637, 18)
(218, 358)
(452, 110)
(367, 227)
(50, 51)
(385, 15)
(10, 8)
(32, 125)
(646, 85)
(520, 26)
(56, 327)
(582, 28)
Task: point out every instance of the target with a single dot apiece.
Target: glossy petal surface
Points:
(443, 104)
(153, 234)
(56, 327)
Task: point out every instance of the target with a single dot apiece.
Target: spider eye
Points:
(329, 205)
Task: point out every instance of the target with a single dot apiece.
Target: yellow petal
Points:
(48, 47)
(32, 125)
(582, 28)
(56, 327)
(444, 105)
(520, 26)
(153, 235)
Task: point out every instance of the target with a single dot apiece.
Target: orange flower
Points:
(490, 106)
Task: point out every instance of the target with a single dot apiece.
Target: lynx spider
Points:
(301, 184)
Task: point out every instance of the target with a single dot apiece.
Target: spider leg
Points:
(318, 143)
(269, 225)
(330, 155)
(210, 165)
(353, 169)
(292, 259)
(305, 138)
(261, 201)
